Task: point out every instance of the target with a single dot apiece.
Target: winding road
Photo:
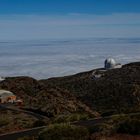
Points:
(35, 131)
(12, 108)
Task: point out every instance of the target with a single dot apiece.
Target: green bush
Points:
(130, 126)
(108, 113)
(70, 118)
(103, 128)
(64, 132)
(4, 121)
(119, 118)
(77, 117)
(38, 123)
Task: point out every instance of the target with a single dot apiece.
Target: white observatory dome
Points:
(110, 63)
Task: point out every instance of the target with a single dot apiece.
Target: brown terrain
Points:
(117, 91)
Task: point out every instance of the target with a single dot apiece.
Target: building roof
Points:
(2, 78)
(5, 93)
(110, 63)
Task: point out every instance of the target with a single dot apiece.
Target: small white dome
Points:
(4, 93)
(110, 63)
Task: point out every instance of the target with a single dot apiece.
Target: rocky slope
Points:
(116, 91)
(50, 102)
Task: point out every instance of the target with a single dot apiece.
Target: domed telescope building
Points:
(110, 63)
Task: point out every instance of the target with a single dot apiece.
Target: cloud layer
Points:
(50, 58)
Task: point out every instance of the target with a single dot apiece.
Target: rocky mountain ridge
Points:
(117, 91)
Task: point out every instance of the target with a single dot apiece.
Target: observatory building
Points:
(7, 97)
(2, 79)
(110, 63)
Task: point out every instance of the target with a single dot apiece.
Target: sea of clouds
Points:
(51, 58)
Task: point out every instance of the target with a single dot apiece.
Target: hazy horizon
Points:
(52, 58)
(46, 19)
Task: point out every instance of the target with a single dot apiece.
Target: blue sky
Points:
(68, 6)
(42, 19)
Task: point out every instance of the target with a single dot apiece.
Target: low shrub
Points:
(39, 123)
(64, 132)
(4, 121)
(70, 118)
(108, 113)
(130, 126)
(103, 129)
